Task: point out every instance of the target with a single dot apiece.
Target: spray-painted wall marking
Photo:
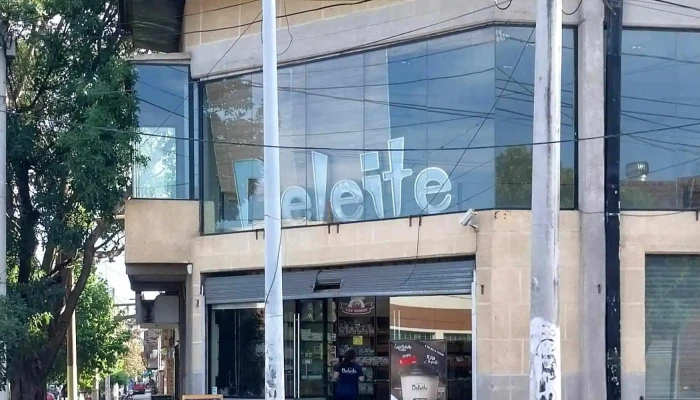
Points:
(545, 355)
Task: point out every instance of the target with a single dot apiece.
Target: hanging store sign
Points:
(346, 197)
(357, 306)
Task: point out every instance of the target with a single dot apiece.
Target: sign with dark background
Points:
(418, 369)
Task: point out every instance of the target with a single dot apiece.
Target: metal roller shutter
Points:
(672, 331)
(453, 277)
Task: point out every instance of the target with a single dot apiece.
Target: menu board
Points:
(418, 370)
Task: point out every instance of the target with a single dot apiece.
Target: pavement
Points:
(146, 396)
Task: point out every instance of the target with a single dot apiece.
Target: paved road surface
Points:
(146, 396)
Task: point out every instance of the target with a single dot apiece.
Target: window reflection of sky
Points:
(433, 93)
(162, 91)
(660, 92)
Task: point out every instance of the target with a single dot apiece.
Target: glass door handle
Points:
(298, 355)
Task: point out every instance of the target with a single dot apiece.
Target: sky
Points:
(115, 275)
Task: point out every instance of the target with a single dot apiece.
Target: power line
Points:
(385, 150)
(575, 10)
(459, 160)
(679, 5)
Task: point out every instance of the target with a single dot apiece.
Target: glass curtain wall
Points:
(659, 164)
(166, 149)
(435, 126)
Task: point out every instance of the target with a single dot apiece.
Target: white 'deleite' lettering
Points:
(346, 196)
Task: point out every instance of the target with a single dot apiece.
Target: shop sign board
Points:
(345, 197)
(418, 370)
(356, 306)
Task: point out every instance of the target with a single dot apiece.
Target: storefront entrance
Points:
(320, 329)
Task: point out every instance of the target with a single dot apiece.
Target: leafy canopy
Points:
(70, 142)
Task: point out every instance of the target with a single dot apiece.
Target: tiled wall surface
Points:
(502, 249)
(212, 18)
(160, 231)
(503, 310)
(645, 233)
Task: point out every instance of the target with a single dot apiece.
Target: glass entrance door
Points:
(306, 336)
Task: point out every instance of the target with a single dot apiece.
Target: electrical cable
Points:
(632, 3)
(214, 66)
(679, 5)
(277, 260)
(289, 29)
(575, 10)
(503, 8)
(387, 150)
(293, 14)
(415, 261)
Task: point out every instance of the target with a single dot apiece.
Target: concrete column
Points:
(196, 338)
(591, 114)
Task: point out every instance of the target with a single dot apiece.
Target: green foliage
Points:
(100, 340)
(120, 377)
(70, 143)
(636, 198)
(133, 362)
(514, 180)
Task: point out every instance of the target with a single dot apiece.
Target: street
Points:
(146, 396)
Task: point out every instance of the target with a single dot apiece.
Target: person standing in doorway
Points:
(347, 375)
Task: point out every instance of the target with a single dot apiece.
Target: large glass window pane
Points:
(238, 352)
(446, 320)
(233, 154)
(659, 165)
(672, 319)
(164, 120)
(460, 85)
(388, 133)
(335, 120)
(513, 115)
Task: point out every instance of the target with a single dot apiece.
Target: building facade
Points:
(396, 117)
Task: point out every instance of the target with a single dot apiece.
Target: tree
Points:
(134, 364)
(121, 378)
(101, 341)
(71, 141)
(514, 180)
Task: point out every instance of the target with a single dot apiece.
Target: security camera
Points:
(467, 217)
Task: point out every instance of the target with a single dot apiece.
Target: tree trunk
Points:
(28, 382)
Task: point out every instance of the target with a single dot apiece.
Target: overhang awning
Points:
(154, 25)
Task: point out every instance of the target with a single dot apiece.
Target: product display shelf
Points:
(372, 354)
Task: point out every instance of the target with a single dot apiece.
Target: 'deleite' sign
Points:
(346, 196)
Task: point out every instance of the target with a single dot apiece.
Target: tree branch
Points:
(64, 318)
(27, 223)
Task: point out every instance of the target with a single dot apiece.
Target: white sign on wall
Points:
(346, 197)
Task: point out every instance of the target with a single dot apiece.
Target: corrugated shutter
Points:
(453, 277)
(672, 308)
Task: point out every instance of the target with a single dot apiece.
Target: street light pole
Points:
(545, 341)
(274, 345)
(3, 166)
(71, 351)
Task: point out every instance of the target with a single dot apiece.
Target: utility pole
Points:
(108, 387)
(274, 350)
(71, 356)
(3, 166)
(545, 342)
(613, 83)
